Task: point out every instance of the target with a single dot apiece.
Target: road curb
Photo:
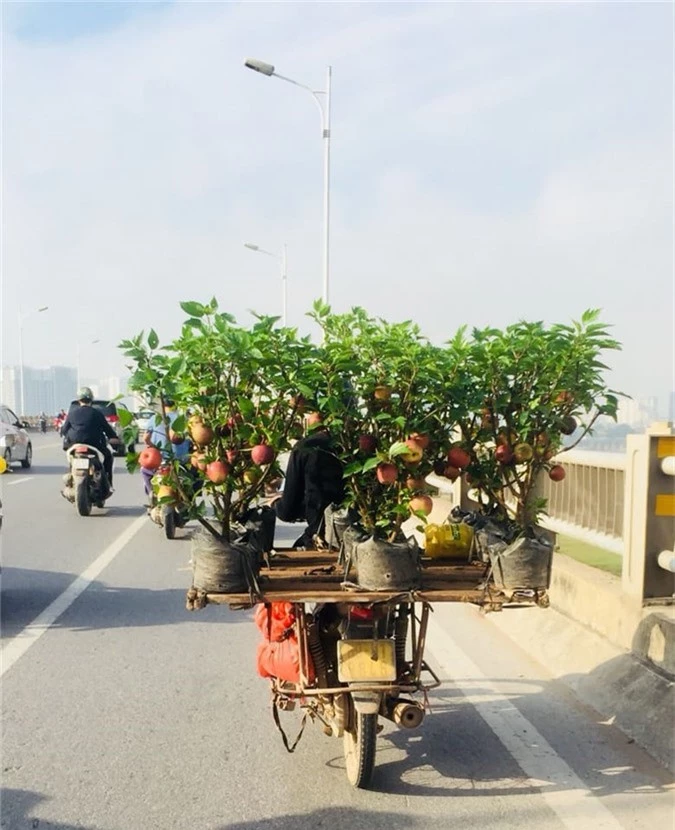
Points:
(638, 698)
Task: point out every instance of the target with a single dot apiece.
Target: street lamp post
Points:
(22, 317)
(324, 108)
(88, 343)
(282, 259)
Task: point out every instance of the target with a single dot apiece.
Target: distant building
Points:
(44, 390)
(10, 394)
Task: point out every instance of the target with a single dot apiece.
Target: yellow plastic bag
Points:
(448, 541)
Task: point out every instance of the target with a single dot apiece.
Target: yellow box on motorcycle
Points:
(450, 540)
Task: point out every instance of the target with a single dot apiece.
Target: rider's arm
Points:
(65, 427)
(105, 426)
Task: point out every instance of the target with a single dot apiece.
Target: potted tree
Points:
(527, 387)
(235, 386)
(385, 394)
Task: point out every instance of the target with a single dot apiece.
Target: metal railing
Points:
(588, 504)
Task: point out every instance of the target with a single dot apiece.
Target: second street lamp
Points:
(88, 343)
(282, 260)
(324, 108)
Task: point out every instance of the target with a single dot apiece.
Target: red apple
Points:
(522, 453)
(569, 424)
(557, 473)
(386, 473)
(217, 471)
(458, 457)
(262, 454)
(150, 458)
(414, 454)
(314, 418)
(421, 439)
(423, 504)
(197, 459)
(503, 454)
(382, 393)
(252, 475)
(453, 473)
(367, 444)
(415, 484)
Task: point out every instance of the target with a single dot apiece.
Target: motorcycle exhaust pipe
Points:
(405, 713)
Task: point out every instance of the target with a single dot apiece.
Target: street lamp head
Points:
(251, 246)
(259, 66)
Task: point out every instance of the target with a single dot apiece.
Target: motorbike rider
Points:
(86, 425)
(157, 437)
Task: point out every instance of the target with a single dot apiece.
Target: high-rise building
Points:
(10, 394)
(44, 390)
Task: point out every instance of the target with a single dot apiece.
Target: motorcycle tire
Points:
(169, 522)
(82, 500)
(359, 749)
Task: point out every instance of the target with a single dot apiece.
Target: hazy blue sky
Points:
(491, 162)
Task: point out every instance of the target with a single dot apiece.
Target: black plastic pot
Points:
(387, 566)
(523, 565)
(219, 567)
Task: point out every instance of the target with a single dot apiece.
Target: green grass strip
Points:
(591, 555)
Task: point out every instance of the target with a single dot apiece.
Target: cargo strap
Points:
(275, 715)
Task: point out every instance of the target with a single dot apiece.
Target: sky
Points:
(491, 162)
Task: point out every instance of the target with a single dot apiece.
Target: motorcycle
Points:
(86, 484)
(355, 662)
(165, 513)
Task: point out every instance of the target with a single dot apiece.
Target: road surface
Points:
(123, 711)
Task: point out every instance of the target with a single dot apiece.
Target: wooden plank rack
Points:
(317, 576)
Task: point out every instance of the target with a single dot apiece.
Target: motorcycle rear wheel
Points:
(359, 749)
(82, 501)
(169, 522)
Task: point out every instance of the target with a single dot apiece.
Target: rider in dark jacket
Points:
(86, 425)
(313, 481)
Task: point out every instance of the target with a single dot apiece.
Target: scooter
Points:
(86, 483)
(165, 514)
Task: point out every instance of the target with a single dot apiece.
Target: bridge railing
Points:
(589, 502)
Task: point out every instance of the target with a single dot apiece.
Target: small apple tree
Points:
(234, 385)
(383, 392)
(526, 387)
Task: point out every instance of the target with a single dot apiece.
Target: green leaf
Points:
(370, 464)
(193, 309)
(153, 340)
(354, 467)
(179, 424)
(125, 416)
(398, 448)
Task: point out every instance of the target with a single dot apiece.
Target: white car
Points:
(15, 444)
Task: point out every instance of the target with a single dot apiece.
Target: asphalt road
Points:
(123, 711)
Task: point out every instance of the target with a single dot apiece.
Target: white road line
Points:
(20, 644)
(562, 790)
(18, 481)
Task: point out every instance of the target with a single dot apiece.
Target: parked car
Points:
(15, 443)
(109, 409)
